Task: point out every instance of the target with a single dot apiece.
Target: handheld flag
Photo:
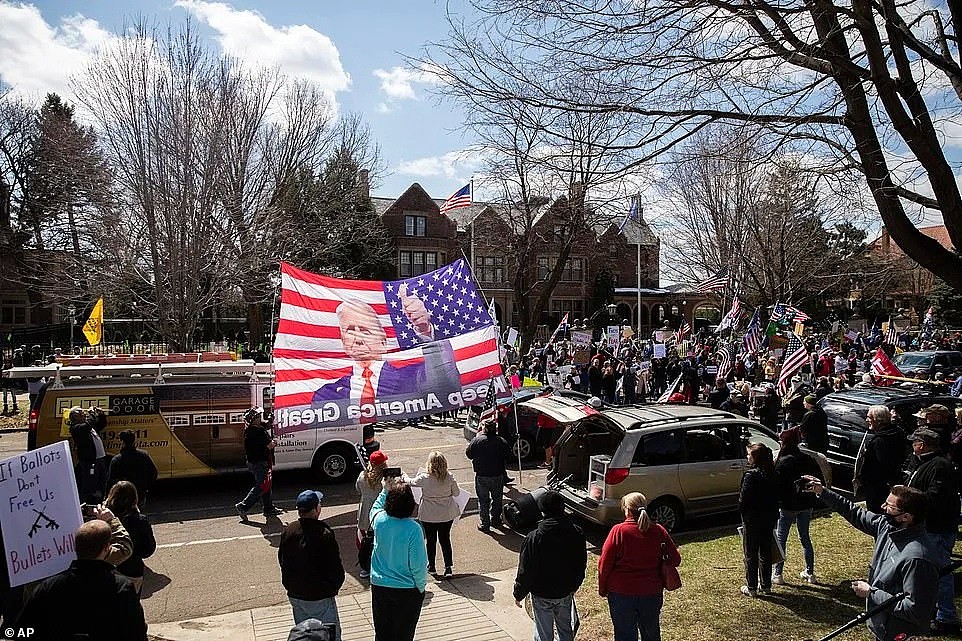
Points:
(94, 327)
(489, 408)
(562, 324)
(796, 356)
(715, 283)
(457, 200)
(753, 337)
(882, 365)
(684, 331)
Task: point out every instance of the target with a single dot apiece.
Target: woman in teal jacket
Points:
(399, 564)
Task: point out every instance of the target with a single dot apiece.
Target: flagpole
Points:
(638, 247)
(517, 436)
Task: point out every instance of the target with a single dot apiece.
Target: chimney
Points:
(364, 183)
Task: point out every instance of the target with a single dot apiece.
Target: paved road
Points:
(209, 563)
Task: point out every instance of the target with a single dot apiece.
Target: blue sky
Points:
(354, 49)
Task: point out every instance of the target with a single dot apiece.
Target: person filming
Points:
(903, 560)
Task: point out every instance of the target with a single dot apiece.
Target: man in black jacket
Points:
(134, 465)
(552, 568)
(814, 426)
(879, 464)
(933, 474)
(311, 569)
(88, 600)
(258, 448)
(92, 461)
(487, 452)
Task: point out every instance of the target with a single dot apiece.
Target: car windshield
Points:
(914, 360)
(845, 415)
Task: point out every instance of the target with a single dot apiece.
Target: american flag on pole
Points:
(563, 323)
(631, 215)
(797, 314)
(753, 337)
(892, 334)
(388, 349)
(726, 360)
(731, 318)
(796, 356)
(489, 408)
(715, 283)
(684, 331)
(457, 200)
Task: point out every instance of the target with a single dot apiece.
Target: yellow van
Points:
(189, 416)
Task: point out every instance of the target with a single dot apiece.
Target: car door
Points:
(654, 466)
(711, 469)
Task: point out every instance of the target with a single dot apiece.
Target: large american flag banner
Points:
(351, 351)
(796, 356)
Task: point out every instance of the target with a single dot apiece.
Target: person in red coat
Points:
(629, 572)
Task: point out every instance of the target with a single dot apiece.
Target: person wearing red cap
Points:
(368, 485)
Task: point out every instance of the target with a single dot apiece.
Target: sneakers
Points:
(747, 591)
(274, 511)
(777, 579)
(240, 510)
(808, 576)
(432, 570)
(365, 574)
(484, 528)
(448, 573)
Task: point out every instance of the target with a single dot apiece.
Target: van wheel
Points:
(525, 445)
(667, 512)
(333, 463)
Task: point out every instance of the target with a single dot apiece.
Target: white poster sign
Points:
(512, 336)
(658, 350)
(645, 366)
(40, 512)
(555, 379)
(614, 337)
(659, 336)
(581, 339)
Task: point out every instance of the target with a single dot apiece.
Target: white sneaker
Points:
(364, 574)
(747, 591)
(777, 579)
(808, 576)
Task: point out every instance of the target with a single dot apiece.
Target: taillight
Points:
(32, 420)
(615, 475)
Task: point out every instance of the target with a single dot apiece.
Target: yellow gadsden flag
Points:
(94, 327)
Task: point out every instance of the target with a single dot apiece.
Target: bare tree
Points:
(865, 87)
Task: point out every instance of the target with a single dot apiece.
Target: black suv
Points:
(846, 411)
(928, 364)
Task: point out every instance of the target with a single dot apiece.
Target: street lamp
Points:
(612, 309)
(72, 314)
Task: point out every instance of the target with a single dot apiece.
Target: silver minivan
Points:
(687, 460)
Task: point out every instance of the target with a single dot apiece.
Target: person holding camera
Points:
(259, 447)
(903, 560)
(368, 485)
(85, 427)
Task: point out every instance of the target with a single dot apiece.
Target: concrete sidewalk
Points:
(468, 607)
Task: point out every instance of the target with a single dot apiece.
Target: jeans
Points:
(945, 604)
(434, 532)
(802, 518)
(489, 490)
(12, 394)
(551, 613)
(259, 470)
(324, 611)
(631, 615)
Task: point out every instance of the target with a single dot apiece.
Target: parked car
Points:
(928, 364)
(687, 460)
(527, 421)
(846, 411)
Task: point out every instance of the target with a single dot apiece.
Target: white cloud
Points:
(36, 58)
(399, 83)
(462, 162)
(298, 50)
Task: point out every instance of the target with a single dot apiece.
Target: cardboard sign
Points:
(659, 336)
(658, 350)
(581, 339)
(40, 512)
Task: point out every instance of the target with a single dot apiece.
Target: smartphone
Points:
(392, 472)
(802, 484)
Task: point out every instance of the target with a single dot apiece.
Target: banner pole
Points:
(517, 432)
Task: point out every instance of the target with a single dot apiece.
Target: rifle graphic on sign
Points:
(51, 524)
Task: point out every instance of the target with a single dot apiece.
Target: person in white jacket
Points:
(438, 510)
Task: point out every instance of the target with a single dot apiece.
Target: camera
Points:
(87, 510)
(392, 472)
(802, 484)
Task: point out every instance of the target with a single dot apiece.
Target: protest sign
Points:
(512, 336)
(614, 337)
(658, 350)
(554, 380)
(39, 513)
(581, 339)
(659, 336)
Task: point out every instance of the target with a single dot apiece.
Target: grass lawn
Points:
(710, 606)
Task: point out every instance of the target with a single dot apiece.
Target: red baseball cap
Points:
(377, 457)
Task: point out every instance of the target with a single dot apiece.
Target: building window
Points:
(416, 263)
(489, 269)
(415, 225)
(565, 306)
(560, 232)
(13, 312)
(209, 419)
(178, 420)
(574, 270)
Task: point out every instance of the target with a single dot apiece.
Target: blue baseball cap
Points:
(308, 500)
